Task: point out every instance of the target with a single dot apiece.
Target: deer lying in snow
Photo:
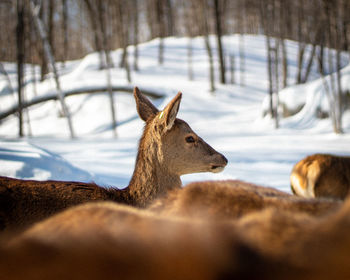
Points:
(168, 149)
(321, 175)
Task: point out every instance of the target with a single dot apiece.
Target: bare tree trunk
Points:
(331, 70)
(189, 21)
(123, 35)
(339, 41)
(161, 31)
(309, 64)
(284, 63)
(218, 29)
(276, 89)
(50, 30)
(20, 61)
(48, 53)
(211, 63)
(127, 66)
(334, 90)
(189, 59)
(170, 16)
(241, 60)
(35, 91)
(315, 40)
(301, 43)
(300, 61)
(265, 18)
(95, 28)
(136, 34)
(26, 112)
(329, 94)
(320, 59)
(43, 61)
(269, 71)
(232, 68)
(33, 47)
(345, 24)
(203, 14)
(102, 16)
(241, 29)
(339, 93)
(284, 17)
(111, 101)
(65, 29)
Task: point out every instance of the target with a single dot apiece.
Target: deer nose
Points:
(224, 159)
(220, 163)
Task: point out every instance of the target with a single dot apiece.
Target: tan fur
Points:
(233, 199)
(110, 241)
(321, 175)
(107, 240)
(163, 156)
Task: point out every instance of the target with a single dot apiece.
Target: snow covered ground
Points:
(230, 120)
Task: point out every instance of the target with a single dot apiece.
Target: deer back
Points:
(23, 202)
(233, 199)
(321, 175)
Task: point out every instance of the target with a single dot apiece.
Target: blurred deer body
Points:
(233, 199)
(109, 240)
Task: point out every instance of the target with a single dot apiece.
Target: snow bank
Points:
(309, 100)
(20, 159)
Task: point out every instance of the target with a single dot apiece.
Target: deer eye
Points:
(189, 139)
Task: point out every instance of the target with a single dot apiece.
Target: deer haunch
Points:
(321, 175)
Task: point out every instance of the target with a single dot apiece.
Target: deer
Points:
(233, 199)
(321, 175)
(105, 239)
(320, 247)
(108, 240)
(168, 148)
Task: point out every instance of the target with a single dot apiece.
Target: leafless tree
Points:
(65, 29)
(219, 34)
(203, 15)
(34, 11)
(20, 61)
(92, 12)
(123, 12)
(135, 13)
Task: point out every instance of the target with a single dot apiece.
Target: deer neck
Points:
(151, 178)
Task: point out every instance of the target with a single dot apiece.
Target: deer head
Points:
(179, 149)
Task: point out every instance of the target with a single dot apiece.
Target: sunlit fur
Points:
(232, 199)
(321, 175)
(107, 240)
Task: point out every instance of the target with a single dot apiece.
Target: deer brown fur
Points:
(321, 175)
(233, 199)
(320, 247)
(110, 241)
(269, 244)
(168, 149)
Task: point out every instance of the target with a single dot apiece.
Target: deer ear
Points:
(145, 108)
(170, 111)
